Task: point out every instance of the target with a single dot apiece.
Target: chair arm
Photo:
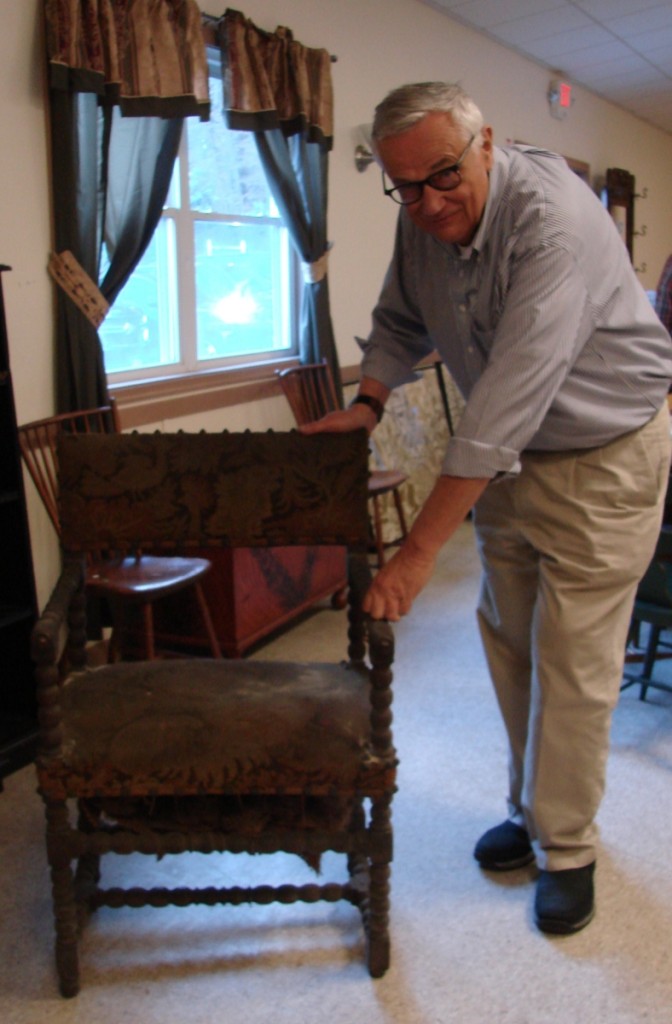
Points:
(379, 635)
(50, 632)
(381, 655)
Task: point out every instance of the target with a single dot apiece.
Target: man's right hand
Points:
(353, 418)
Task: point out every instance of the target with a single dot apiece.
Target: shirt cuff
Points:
(473, 459)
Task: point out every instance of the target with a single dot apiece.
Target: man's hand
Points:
(398, 583)
(354, 418)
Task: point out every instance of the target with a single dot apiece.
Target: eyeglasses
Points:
(444, 180)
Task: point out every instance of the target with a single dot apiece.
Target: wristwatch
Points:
(373, 403)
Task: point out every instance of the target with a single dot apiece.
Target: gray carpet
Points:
(465, 949)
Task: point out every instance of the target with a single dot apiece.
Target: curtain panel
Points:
(143, 59)
(282, 91)
(148, 56)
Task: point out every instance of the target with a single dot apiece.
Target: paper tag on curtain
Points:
(70, 275)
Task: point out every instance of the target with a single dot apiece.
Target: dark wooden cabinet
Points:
(18, 606)
(254, 591)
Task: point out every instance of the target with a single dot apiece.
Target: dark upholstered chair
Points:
(653, 607)
(131, 585)
(214, 756)
(311, 394)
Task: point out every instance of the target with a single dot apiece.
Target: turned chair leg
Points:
(377, 918)
(378, 936)
(399, 505)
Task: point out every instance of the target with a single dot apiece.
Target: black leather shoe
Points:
(504, 848)
(565, 900)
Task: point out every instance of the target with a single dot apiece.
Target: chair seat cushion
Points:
(194, 726)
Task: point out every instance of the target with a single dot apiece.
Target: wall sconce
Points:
(363, 154)
(363, 157)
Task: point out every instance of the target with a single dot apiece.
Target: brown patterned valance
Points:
(272, 81)
(146, 55)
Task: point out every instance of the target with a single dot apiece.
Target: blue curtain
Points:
(282, 91)
(110, 180)
(297, 175)
(110, 174)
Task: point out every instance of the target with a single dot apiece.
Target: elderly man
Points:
(508, 265)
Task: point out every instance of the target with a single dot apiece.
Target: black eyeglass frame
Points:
(394, 192)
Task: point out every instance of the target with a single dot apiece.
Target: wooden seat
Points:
(311, 394)
(214, 756)
(130, 584)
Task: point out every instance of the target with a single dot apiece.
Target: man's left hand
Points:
(398, 583)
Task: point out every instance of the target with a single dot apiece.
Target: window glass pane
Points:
(217, 284)
(225, 175)
(240, 283)
(140, 329)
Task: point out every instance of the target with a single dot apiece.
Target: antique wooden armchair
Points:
(311, 394)
(215, 756)
(130, 586)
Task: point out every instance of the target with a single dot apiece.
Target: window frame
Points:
(171, 395)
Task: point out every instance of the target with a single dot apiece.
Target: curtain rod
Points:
(212, 19)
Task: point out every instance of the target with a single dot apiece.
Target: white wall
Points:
(379, 44)
(25, 240)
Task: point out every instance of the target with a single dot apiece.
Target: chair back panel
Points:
(231, 489)
(38, 442)
(310, 391)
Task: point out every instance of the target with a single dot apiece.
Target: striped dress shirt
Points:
(541, 321)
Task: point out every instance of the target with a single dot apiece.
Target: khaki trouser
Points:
(563, 546)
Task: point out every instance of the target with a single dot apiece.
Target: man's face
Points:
(431, 145)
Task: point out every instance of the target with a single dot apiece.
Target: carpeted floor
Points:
(465, 949)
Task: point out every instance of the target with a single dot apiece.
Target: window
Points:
(216, 286)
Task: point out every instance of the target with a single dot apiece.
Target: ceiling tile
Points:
(629, 26)
(632, 66)
(600, 46)
(606, 10)
(663, 62)
(656, 39)
(538, 26)
(486, 13)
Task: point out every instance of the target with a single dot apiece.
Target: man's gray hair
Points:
(406, 106)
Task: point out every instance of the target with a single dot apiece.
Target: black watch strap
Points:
(373, 403)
